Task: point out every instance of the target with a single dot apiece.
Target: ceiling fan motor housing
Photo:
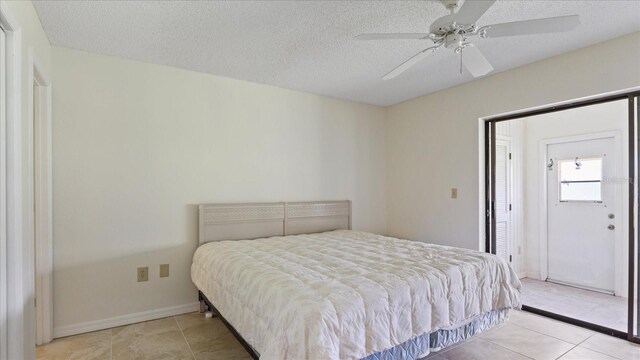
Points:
(453, 41)
(443, 25)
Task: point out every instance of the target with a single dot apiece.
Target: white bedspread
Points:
(346, 294)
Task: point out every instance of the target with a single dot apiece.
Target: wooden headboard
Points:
(259, 220)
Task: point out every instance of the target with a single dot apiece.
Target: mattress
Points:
(347, 294)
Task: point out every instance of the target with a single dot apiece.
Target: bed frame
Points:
(218, 222)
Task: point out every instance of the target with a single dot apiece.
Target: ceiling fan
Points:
(453, 31)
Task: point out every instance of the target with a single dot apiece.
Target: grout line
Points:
(574, 345)
(588, 337)
(506, 348)
(556, 338)
(184, 337)
(599, 352)
(565, 353)
(111, 338)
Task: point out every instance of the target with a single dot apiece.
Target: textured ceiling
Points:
(309, 46)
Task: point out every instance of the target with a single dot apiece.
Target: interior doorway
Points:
(559, 199)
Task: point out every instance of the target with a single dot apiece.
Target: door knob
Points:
(611, 227)
(611, 216)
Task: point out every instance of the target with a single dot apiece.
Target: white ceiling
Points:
(309, 46)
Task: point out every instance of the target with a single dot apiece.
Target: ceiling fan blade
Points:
(528, 27)
(475, 62)
(396, 36)
(409, 63)
(472, 10)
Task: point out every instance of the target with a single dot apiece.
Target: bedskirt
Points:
(422, 345)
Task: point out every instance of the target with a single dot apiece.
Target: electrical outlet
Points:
(454, 193)
(164, 270)
(143, 274)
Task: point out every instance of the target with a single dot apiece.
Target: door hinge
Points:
(509, 156)
(509, 207)
(510, 258)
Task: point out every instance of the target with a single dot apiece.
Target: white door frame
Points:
(621, 211)
(40, 196)
(14, 334)
(3, 201)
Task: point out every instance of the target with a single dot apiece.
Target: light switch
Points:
(454, 193)
(164, 270)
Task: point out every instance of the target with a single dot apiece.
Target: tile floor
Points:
(191, 336)
(590, 306)
(188, 336)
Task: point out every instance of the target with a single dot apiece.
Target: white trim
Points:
(14, 214)
(3, 202)
(619, 249)
(95, 325)
(17, 335)
(481, 184)
(40, 227)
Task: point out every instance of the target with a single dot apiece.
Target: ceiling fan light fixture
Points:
(453, 31)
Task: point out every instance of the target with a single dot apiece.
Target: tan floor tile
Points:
(586, 305)
(609, 345)
(522, 336)
(158, 339)
(557, 329)
(515, 315)
(526, 342)
(210, 339)
(580, 353)
(91, 346)
(235, 354)
(192, 319)
(478, 349)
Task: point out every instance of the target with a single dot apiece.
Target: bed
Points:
(293, 281)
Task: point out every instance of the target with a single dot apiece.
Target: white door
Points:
(503, 198)
(581, 213)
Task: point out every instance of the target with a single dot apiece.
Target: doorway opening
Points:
(560, 205)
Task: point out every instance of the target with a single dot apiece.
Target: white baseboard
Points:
(102, 324)
(522, 275)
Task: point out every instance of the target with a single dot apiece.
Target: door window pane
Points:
(580, 180)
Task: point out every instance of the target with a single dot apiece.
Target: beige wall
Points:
(433, 141)
(138, 146)
(34, 41)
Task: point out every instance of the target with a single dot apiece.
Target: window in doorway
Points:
(580, 180)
